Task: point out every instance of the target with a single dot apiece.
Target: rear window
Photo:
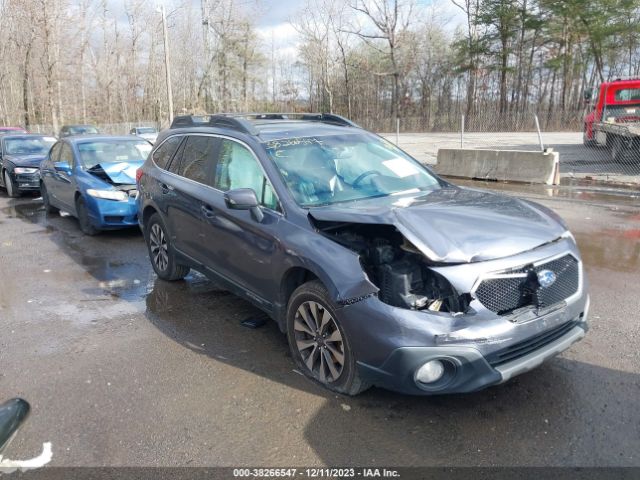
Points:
(627, 94)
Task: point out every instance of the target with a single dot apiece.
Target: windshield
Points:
(28, 145)
(106, 152)
(340, 168)
(83, 130)
(146, 130)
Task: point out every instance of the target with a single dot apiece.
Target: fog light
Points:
(430, 372)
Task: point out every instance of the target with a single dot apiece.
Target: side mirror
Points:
(12, 415)
(62, 167)
(244, 199)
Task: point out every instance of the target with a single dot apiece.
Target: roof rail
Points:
(241, 121)
(217, 120)
(315, 117)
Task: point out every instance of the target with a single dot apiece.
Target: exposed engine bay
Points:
(396, 267)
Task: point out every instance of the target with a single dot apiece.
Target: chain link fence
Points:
(529, 131)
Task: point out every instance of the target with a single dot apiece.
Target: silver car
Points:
(148, 133)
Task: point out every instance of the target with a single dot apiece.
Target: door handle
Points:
(207, 211)
(166, 188)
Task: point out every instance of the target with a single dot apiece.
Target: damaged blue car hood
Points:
(454, 224)
(119, 173)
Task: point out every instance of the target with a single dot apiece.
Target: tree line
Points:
(495, 62)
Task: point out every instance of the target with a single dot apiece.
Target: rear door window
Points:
(165, 152)
(198, 158)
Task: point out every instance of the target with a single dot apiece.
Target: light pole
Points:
(167, 64)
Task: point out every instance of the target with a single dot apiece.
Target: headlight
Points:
(24, 170)
(108, 194)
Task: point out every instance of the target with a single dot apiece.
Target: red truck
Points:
(614, 118)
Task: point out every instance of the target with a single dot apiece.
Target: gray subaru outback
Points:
(378, 271)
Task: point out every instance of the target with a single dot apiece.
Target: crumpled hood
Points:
(456, 225)
(29, 161)
(120, 173)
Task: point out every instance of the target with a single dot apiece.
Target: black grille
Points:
(521, 349)
(505, 294)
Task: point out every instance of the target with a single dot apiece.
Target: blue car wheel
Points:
(46, 201)
(83, 217)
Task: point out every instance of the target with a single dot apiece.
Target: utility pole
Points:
(167, 65)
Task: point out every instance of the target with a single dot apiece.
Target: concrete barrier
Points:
(506, 165)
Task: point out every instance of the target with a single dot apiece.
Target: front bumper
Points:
(472, 370)
(27, 182)
(110, 214)
(481, 347)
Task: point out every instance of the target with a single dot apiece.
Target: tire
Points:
(617, 151)
(46, 201)
(322, 353)
(11, 187)
(161, 252)
(83, 218)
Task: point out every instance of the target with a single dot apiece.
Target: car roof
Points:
(281, 129)
(75, 125)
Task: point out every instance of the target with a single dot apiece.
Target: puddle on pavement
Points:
(616, 250)
(128, 280)
(587, 193)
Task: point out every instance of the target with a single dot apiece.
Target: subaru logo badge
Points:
(546, 278)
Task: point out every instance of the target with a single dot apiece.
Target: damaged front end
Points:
(396, 267)
(120, 176)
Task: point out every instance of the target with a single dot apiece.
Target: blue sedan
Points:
(94, 179)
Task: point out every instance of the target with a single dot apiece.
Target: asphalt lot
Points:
(576, 160)
(124, 369)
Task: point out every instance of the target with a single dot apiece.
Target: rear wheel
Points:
(318, 343)
(161, 252)
(84, 219)
(618, 150)
(46, 201)
(12, 188)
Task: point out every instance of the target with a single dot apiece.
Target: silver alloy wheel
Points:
(158, 246)
(319, 341)
(7, 184)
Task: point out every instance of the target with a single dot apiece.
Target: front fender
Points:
(337, 267)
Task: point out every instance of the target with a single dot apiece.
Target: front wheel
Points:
(161, 252)
(318, 343)
(46, 200)
(12, 188)
(83, 218)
